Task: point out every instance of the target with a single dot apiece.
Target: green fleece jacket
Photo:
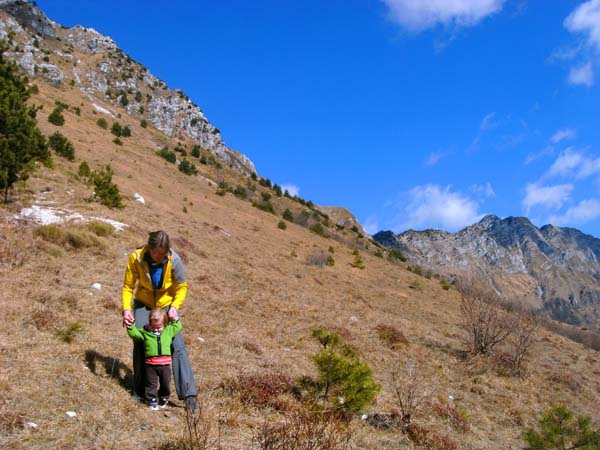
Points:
(156, 344)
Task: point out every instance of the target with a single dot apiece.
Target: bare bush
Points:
(455, 416)
(305, 430)
(16, 246)
(524, 328)
(391, 336)
(260, 389)
(199, 434)
(320, 259)
(411, 386)
(483, 319)
(428, 438)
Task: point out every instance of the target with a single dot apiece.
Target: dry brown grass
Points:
(250, 309)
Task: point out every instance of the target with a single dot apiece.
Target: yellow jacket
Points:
(172, 291)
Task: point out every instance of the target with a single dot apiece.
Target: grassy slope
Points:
(250, 308)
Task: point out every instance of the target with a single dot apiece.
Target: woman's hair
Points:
(159, 239)
(158, 312)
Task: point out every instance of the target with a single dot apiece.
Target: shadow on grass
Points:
(102, 365)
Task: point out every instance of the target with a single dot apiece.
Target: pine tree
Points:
(21, 142)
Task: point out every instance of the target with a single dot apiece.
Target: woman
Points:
(155, 278)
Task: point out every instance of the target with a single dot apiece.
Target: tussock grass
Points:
(74, 237)
(391, 336)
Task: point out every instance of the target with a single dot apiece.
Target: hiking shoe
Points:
(163, 402)
(153, 405)
(191, 404)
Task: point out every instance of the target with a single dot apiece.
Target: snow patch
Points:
(102, 109)
(46, 216)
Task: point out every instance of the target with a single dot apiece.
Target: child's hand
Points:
(172, 313)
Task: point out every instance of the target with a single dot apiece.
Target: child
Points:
(157, 337)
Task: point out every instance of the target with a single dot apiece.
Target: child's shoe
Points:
(163, 402)
(153, 405)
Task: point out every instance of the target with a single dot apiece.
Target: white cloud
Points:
(292, 189)
(371, 226)
(567, 162)
(488, 122)
(418, 15)
(571, 163)
(584, 212)
(435, 158)
(583, 74)
(547, 151)
(485, 190)
(561, 135)
(586, 19)
(550, 197)
(432, 206)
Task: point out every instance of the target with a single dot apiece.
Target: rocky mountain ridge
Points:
(95, 64)
(553, 269)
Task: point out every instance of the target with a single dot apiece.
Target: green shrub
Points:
(116, 129)
(560, 429)
(265, 206)
(265, 196)
(102, 123)
(105, 191)
(240, 192)
(187, 167)
(444, 284)
(302, 218)
(144, 123)
(125, 131)
(343, 383)
(330, 261)
(317, 228)
(287, 215)
(84, 169)
(281, 225)
(62, 146)
(397, 254)
(56, 117)
(195, 151)
(117, 141)
(167, 154)
(358, 262)
(69, 333)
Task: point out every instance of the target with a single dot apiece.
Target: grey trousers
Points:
(185, 385)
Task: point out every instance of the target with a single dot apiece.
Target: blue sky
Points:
(410, 113)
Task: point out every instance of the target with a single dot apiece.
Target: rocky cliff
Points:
(553, 269)
(94, 63)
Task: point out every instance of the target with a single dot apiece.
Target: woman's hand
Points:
(128, 319)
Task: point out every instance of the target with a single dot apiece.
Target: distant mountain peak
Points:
(552, 268)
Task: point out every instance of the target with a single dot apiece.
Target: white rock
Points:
(364, 417)
(71, 414)
(138, 198)
(451, 397)
(201, 339)
(32, 425)
(97, 286)
(353, 319)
